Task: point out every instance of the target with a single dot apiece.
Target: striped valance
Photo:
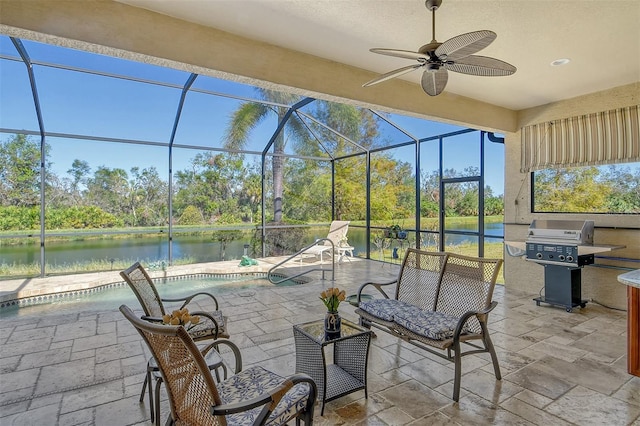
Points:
(594, 139)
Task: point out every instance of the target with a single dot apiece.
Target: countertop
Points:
(521, 247)
(630, 278)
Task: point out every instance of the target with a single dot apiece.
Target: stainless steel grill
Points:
(560, 242)
(563, 247)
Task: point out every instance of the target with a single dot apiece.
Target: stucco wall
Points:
(598, 283)
(117, 29)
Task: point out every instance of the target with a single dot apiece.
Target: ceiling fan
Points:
(455, 54)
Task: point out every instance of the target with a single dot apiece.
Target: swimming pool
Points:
(111, 296)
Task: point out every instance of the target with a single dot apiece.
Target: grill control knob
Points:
(561, 257)
(570, 258)
(539, 255)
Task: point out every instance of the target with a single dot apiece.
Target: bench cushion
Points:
(387, 309)
(430, 324)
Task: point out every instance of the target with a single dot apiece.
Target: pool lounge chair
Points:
(337, 231)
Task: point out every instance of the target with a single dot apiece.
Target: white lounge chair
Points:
(337, 231)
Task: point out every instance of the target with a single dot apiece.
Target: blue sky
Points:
(90, 104)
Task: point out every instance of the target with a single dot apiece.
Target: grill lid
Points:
(562, 231)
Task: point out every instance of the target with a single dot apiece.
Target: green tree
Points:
(247, 117)
(20, 171)
(493, 205)
(250, 197)
(625, 188)
(213, 185)
(109, 190)
(577, 189)
(147, 198)
(191, 216)
(79, 173)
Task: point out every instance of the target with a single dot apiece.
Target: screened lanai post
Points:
(481, 199)
(417, 171)
(418, 197)
(36, 102)
(368, 200)
(185, 89)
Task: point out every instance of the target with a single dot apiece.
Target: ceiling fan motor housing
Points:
(433, 4)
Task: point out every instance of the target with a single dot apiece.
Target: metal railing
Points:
(273, 280)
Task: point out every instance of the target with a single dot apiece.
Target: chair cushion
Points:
(255, 381)
(206, 329)
(387, 309)
(430, 324)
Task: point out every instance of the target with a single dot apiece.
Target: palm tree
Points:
(251, 114)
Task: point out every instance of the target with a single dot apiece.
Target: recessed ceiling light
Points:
(559, 62)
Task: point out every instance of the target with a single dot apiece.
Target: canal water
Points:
(197, 248)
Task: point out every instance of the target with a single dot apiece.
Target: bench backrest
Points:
(447, 282)
(467, 285)
(419, 278)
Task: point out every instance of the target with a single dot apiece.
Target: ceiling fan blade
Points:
(392, 74)
(482, 66)
(464, 45)
(406, 54)
(434, 81)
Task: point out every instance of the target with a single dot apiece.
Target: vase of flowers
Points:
(332, 321)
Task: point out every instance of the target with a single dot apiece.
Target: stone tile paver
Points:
(87, 368)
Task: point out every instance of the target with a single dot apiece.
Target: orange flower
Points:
(332, 298)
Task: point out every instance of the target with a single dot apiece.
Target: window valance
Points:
(594, 139)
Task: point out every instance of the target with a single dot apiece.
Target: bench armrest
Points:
(188, 299)
(378, 287)
(481, 315)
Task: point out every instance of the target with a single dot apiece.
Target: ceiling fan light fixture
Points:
(560, 62)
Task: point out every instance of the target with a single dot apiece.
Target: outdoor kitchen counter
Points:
(632, 280)
(520, 247)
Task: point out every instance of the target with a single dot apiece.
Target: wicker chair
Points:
(254, 396)
(212, 326)
(214, 361)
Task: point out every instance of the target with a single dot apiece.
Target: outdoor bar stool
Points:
(214, 360)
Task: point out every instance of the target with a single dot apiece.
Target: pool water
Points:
(111, 298)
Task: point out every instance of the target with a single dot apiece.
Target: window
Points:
(591, 189)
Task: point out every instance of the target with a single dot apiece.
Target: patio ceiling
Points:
(602, 39)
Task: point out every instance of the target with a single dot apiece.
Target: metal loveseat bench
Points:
(441, 304)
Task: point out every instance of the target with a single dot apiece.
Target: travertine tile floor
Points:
(87, 368)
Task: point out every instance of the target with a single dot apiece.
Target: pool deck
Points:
(559, 368)
(32, 287)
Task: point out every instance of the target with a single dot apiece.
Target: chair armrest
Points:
(234, 348)
(481, 315)
(378, 286)
(151, 319)
(272, 397)
(208, 315)
(188, 299)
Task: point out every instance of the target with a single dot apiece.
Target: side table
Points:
(347, 373)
